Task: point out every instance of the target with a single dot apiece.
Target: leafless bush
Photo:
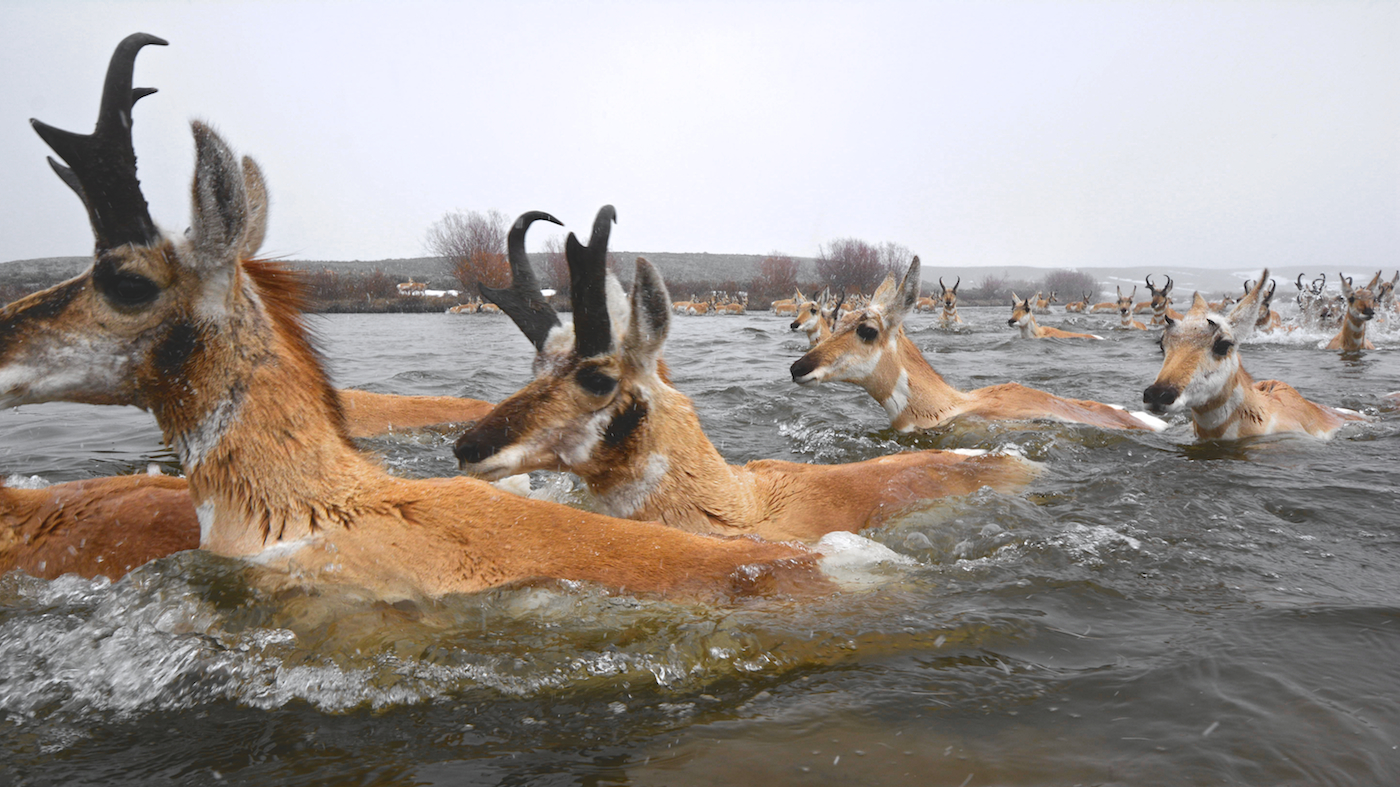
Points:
(848, 264)
(777, 277)
(474, 245)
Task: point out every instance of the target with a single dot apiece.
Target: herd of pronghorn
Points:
(197, 329)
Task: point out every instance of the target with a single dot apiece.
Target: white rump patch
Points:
(1153, 422)
(969, 451)
(850, 560)
(518, 484)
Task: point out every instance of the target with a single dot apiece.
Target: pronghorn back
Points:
(95, 527)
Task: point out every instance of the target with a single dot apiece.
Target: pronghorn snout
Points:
(1159, 398)
(796, 326)
(1011, 322)
(802, 369)
(479, 444)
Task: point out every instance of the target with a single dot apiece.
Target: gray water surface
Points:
(1149, 611)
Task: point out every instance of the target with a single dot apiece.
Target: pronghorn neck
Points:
(912, 393)
(1353, 333)
(671, 472)
(1223, 415)
(247, 398)
(1028, 327)
(1159, 311)
(950, 311)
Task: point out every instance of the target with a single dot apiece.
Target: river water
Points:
(1150, 611)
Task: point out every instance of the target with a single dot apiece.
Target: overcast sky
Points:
(1058, 134)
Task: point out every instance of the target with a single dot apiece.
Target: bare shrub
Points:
(474, 245)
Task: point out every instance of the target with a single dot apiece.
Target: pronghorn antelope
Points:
(1361, 307)
(212, 343)
(925, 304)
(95, 527)
(1269, 320)
(1080, 306)
(1385, 294)
(1042, 305)
(1201, 371)
(412, 287)
(788, 306)
(1161, 304)
(1023, 318)
(816, 319)
(736, 307)
(1125, 311)
(869, 348)
(1225, 303)
(1107, 306)
(601, 406)
(949, 299)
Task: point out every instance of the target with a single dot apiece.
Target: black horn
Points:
(588, 271)
(101, 166)
(522, 300)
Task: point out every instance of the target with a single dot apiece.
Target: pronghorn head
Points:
(139, 327)
(593, 380)
(949, 295)
(1200, 353)
(862, 347)
(1159, 297)
(1125, 302)
(1020, 311)
(1361, 301)
(1385, 293)
(813, 315)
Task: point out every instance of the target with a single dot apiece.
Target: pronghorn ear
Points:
(220, 203)
(1243, 317)
(909, 288)
(651, 317)
(256, 189)
(1346, 285)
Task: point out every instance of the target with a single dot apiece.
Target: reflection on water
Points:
(1150, 611)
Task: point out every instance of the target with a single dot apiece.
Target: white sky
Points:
(1060, 134)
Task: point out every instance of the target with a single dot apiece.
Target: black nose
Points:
(795, 325)
(1159, 396)
(1011, 322)
(802, 367)
(479, 444)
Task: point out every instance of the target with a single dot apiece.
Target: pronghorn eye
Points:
(1222, 346)
(868, 332)
(127, 289)
(595, 382)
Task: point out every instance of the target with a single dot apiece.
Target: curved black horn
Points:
(588, 272)
(1149, 283)
(101, 166)
(955, 285)
(522, 301)
(1299, 281)
(941, 285)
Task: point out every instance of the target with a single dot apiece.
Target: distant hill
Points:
(689, 267)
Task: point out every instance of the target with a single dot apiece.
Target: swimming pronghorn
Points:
(1125, 311)
(869, 348)
(1080, 306)
(1161, 304)
(95, 527)
(816, 319)
(1361, 307)
(949, 298)
(1269, 320)
(601, 406)
(212, 343)
(1042, 304)
(1022, 318)
(1385, 294)
(1201, 371)
(788, 306)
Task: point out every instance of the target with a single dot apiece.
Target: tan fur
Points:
(1224, 401)
(1361, 308)
(221, 359)
(97, 527)
(891, 369)
(1161, 303)
(1023, 318)
(368, 414)
(949, 299)
(654, 461)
